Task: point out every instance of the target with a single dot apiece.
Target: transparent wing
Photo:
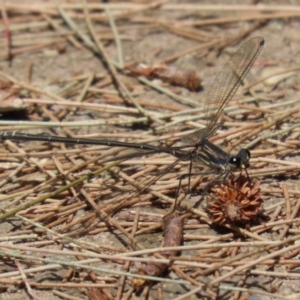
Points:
(227, 82)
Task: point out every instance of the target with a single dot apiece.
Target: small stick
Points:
(188, 51)
(173, 230)
(287, 70)
(25, 280)
(127, 264)
(57, 27)
(287, 202)
(7, 33)
(289, 215)
(117, 38)
(33, 47)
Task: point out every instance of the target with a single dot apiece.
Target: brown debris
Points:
(96, 294)
(238, 201)
(173, 232)
(171, 74)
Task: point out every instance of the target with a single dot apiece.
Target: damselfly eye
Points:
(235, 162)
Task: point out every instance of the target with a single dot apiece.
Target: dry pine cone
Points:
(237, 201)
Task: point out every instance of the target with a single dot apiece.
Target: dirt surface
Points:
(72, 216)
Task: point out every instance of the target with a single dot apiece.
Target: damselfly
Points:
(202, 150)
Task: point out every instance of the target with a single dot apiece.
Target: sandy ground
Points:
(31, 170)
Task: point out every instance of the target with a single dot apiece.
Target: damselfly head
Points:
(241, 161)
